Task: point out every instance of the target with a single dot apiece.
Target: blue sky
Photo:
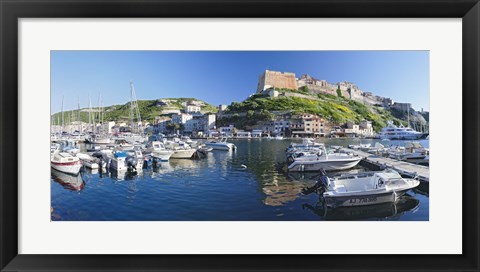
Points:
(220, 77)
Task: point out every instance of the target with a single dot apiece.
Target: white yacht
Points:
(393, 132)
(222, 144)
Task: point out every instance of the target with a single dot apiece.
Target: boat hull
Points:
(162, 155)
(69, 167)
(219, 146)
(183, 154)
(363, 199)
(327, 165)
(118, 164)
(405, 137)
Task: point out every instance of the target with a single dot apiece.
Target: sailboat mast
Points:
(78, 115)
(408, 116)
(134, 111)
(63, 118)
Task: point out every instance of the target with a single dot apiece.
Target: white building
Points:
(181, 118)
(227, 131)
(189, 108)
(256, 133)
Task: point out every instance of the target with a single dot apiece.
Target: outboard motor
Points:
(145, 163)
(320, 187)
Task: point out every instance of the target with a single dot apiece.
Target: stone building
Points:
(404, 107)
(274, 79)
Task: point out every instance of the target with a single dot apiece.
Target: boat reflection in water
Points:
(68, 181)
(380, 212)
(122, 175)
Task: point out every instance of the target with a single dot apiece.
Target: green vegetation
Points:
(339, 93)
(251, 118)
(336, 109)
(149, 109)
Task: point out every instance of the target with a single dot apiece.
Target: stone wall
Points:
(277, 80)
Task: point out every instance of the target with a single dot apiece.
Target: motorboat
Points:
(384, 211)
(135, 159)
(88, 161)
(222, 144)
(361, 189)
(97, 139)
(308, 145)
(158, 151)
(118, 161)
(412, 152)
(393, 132)
(65, 162)
(72, 182)
(322, 160)
(69, 146)
(54, 149)
(182, 151)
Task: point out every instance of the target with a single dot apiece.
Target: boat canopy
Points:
(120, 154)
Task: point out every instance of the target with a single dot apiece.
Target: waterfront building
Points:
(243, 134)
(366, 128)
(257, 133)
(227, 131)
(181, 118)
(160, 124)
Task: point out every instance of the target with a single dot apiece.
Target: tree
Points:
(304, 89)
(339, 92)
(174, 126)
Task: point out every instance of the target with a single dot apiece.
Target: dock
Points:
(403, 168)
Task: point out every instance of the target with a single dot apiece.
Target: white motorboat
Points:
(412, 152)
(158, 151)
(135, 159)
(222, 144)
(393, 132)
(88, 161)
(54, 149)
(118, 161)
(65, 162)
(308, 145)
(362, 189)
(182, 153)
(97, 139)
(323, 160)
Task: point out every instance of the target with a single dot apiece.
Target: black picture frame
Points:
(11, 11)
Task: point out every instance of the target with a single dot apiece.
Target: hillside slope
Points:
(336, 109)
(149, 109)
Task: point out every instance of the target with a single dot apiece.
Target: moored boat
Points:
(364, 188)
(65, 162)
(393, 132)
(322, 160)
(222, 144)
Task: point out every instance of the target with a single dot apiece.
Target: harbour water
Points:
(247, 184)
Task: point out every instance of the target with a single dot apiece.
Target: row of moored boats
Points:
(350, 189)
(66, 156)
